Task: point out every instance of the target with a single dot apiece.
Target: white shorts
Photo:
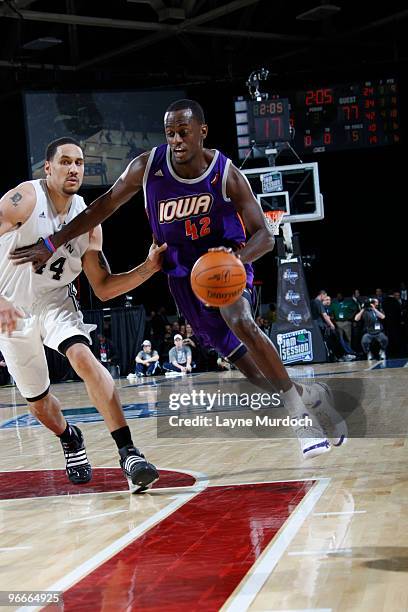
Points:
(24, 350)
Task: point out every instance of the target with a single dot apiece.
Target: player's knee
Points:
(81, 358)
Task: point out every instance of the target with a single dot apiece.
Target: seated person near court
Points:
(147, 360)
(180, 357)
(106, 351)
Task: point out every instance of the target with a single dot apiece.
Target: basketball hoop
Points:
(274, 219)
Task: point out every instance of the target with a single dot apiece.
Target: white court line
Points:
(302, 610)
(9, 548)
(91, 564)
(305, 553)
(223, 440)
(339, 513)
(94, 516)
(269, 559)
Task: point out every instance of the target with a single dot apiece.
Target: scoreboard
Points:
(347, 116)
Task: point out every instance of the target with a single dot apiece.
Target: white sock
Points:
(293, 402)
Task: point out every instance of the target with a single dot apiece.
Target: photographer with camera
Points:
(371, 316)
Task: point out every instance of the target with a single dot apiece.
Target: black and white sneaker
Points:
(139, 473)
(78, 468)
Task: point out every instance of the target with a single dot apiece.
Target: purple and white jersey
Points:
(191, 215)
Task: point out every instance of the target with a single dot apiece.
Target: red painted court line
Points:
(44, 483)
(194, 558)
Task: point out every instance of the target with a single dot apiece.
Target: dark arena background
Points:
(208, 49)
(239, 519)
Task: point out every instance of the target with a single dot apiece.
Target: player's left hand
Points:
(155, 256)
(37, 254)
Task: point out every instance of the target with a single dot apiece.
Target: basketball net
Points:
(274, 219)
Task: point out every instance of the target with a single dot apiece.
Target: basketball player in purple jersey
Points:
(196, 200)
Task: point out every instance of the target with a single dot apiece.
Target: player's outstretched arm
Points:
(127, 185)
(261, 238)
(107, 285)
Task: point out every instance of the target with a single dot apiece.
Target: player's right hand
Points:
(37, 254)
(9, 315)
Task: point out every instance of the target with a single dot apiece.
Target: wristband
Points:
(49, 245)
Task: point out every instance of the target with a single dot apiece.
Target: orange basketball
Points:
(218, 278)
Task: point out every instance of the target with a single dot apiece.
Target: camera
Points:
(368, 303)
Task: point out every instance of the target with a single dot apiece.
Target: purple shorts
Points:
(207, 323)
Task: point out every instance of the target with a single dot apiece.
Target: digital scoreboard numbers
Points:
(261, 123)
(269, 121)
(346, 116)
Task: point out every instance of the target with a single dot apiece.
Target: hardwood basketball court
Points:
(233, 524)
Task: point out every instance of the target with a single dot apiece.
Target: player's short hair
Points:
(53, 146)
(184, 104)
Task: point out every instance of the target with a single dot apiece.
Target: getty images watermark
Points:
(225, 402)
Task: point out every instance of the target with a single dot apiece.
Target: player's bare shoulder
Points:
(135, 170)
(237, 184)
(16, 206)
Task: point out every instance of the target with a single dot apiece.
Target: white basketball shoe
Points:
(320, 401)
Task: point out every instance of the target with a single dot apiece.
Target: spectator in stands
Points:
(147, 360)
(166, 344)
(175, 327)
(357, 299)
(320, 308)
(180, 357)
(191, 341)
(335, 338)
(372, 317)
(344, 310)
(106, 352)
(403, 292)
(379, 296)
(271, 314)
(319, 313)
(262, 324)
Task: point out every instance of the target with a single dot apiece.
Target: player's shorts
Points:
(24, 350)
(207, 323)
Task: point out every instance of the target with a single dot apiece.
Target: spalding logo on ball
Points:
(218, 278)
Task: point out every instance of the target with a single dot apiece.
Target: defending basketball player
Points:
(39, 308)
(197, 200)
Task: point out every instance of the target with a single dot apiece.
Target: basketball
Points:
(218, 278)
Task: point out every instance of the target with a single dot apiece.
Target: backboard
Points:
(293, 188)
